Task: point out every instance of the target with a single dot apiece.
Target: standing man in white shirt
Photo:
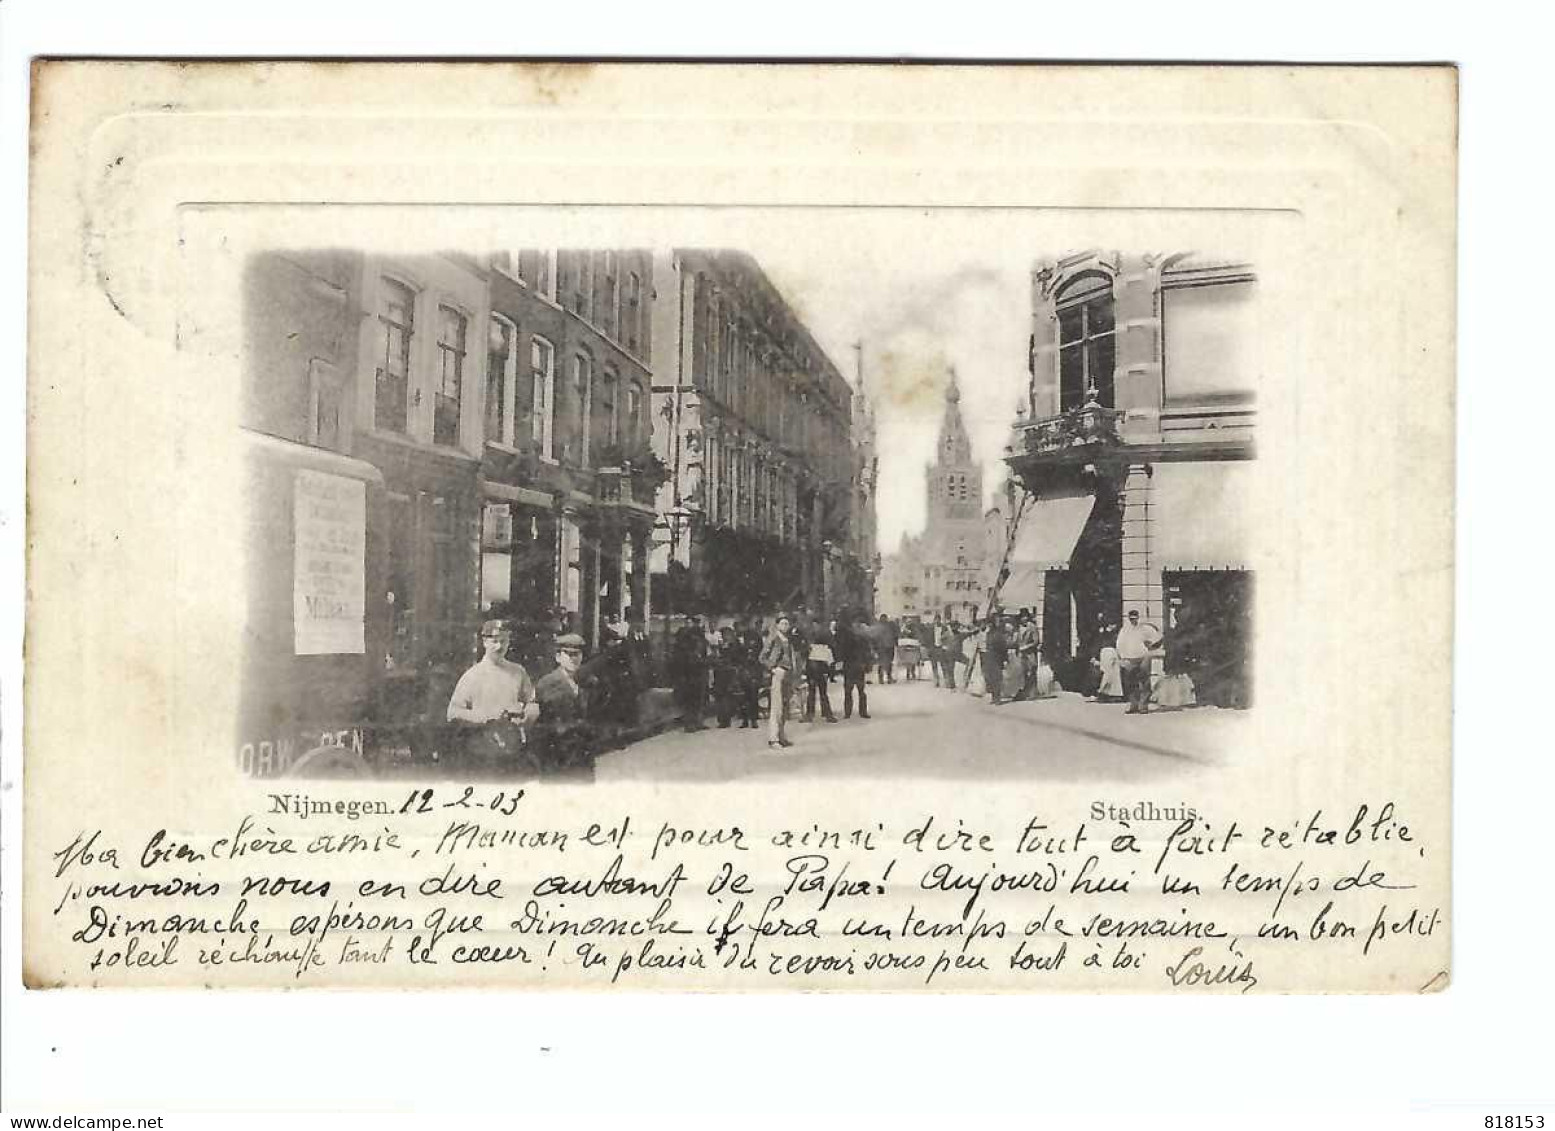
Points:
(494, 691)
(1138, 643)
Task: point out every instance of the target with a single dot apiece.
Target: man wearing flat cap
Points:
(560, 695)
(493, 701)
(564, 713)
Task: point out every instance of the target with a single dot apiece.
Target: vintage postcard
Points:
(704, 527)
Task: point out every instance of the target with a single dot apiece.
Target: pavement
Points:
(919, 730)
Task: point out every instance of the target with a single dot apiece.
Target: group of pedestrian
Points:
(998, 655)
(719, 669)
(1003, 659)
(794, 662)
(906, 644)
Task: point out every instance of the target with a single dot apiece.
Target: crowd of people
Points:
(505, 720)
(783, 669)
(1000, 656)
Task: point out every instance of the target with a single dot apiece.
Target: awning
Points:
(1046, 539)
(1201, 515)
(1023, 588)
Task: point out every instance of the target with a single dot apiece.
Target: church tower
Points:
(955, 479)
(953, 537)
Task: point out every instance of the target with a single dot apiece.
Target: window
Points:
(396, 324)
(726, 347)
(1209, 334)
(582, 392)
(749, 476)
(611, 314)
(633, 415)
(536, 269)
(605, 418)
(1086, 346)
(542, 396)
(631, 316)
(447, 396)
(731, 461)
(582, 280)
(758, 492)
(496, 554)
(774, 502)
(501, 362)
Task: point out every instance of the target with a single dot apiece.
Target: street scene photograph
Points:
(706, 514)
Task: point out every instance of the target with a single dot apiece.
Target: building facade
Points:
(568, 477)
(753, 421)
(1135, 445)
(941, 571)
(503, 401)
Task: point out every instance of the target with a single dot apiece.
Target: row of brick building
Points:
(629, 433)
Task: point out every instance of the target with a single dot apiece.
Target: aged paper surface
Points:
(1299, 843)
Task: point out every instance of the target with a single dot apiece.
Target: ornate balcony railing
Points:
(1087, 425)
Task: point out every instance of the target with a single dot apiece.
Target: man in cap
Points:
(494, 700)
(1138, 643)
(564, 705)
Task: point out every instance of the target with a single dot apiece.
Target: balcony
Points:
(1048, 452)
(1084, 427)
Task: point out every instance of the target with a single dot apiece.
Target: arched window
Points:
(1086, 340)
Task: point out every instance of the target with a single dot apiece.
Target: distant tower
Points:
(955, 479)
(953, 535)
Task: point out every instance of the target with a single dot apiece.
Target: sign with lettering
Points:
(329, 586)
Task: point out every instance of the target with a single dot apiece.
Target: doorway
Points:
(1210, 631)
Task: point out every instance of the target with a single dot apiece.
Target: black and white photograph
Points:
(682, 513)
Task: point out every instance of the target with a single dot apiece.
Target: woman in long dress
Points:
(1110, 690)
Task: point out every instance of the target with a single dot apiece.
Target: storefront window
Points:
(496, 554)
